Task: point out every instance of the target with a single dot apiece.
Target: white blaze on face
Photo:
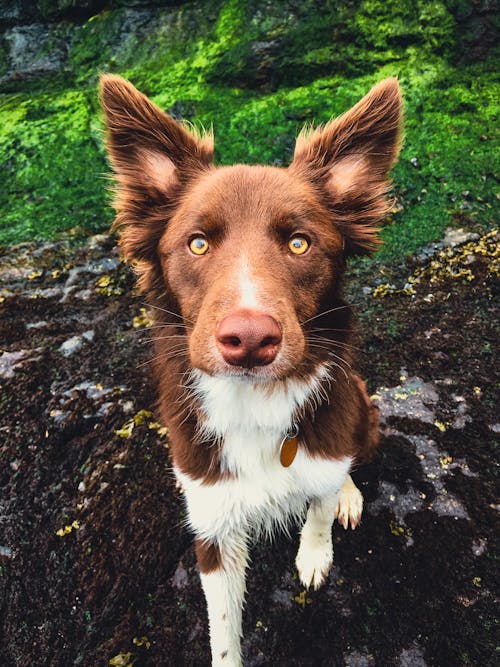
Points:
(247, 286)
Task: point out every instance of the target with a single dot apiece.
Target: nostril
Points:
(230, 340)
(270, 340)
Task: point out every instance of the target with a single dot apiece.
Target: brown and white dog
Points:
(243, 266)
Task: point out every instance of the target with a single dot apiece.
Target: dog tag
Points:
(288, 447)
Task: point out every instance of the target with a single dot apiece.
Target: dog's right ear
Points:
(153, 157)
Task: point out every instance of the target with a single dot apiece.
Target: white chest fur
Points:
(249, 422)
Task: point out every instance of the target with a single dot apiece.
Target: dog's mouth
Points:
(253, 374)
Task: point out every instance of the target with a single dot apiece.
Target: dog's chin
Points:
(255, 375)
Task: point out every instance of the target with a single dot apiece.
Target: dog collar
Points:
(289, 446)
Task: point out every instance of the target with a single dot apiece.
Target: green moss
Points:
(257, 71)
(448, 171)
(398, 24)
(53, 162)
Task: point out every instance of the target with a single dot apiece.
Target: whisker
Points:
(338, 343)
(315, 329)
(318, 347)
(324, 347)
(329, 353)
(341, 368)
(140, 330)
(170, 312)
(156, 338)
(340, 359)
(321, 346)
(149, 361)
(311, 357)
(334, 363)
(161, 356)
(325, 312)
(176, 354)
(152, 340)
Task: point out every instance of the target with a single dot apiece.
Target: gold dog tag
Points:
(288, 450)
(289, 446)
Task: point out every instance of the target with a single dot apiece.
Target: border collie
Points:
(243, 266)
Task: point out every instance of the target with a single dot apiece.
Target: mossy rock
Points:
(257, 71)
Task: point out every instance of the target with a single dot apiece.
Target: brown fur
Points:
(334, 192)
(367, 139)
(208, 556)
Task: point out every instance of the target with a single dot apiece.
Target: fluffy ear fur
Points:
(153, 157)
(349, 158)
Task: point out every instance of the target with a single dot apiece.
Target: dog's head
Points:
(250, 256)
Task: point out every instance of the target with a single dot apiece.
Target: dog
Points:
(243, 267)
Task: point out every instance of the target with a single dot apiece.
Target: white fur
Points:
(248, 297)
(315, 555)
(350, 504)
(263, 499)
(248, 422)
(224, 591)
(233, 404)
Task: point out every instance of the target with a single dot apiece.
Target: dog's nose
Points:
(248, 338)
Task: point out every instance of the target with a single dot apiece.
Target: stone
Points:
(180, 577)
(37, 325)
(412, 398)
(412, 657)
(75, 343)
(33, 49)
(71, 346)
(12, 361)
(399, 504)
(358, 659)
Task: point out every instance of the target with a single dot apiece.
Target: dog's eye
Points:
(198, 245)
(298, 245)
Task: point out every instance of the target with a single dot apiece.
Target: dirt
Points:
(96, 567)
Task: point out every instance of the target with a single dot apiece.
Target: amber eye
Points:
(298, 245)
(198, 245)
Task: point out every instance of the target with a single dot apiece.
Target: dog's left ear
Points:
(349, 159)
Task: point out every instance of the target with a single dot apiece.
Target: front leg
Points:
(222, 572)
(315, 555)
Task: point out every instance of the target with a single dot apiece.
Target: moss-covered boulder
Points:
(256, 70)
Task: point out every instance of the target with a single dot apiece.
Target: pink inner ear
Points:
(158, 170)
(347, 175)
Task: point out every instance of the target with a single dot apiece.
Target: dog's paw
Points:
(350, 505)
(314, 560)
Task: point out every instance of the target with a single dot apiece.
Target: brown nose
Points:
(248, 338)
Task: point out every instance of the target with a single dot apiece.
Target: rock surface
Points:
(95, 562)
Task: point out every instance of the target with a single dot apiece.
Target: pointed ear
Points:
(348, 160)
(153, 157)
